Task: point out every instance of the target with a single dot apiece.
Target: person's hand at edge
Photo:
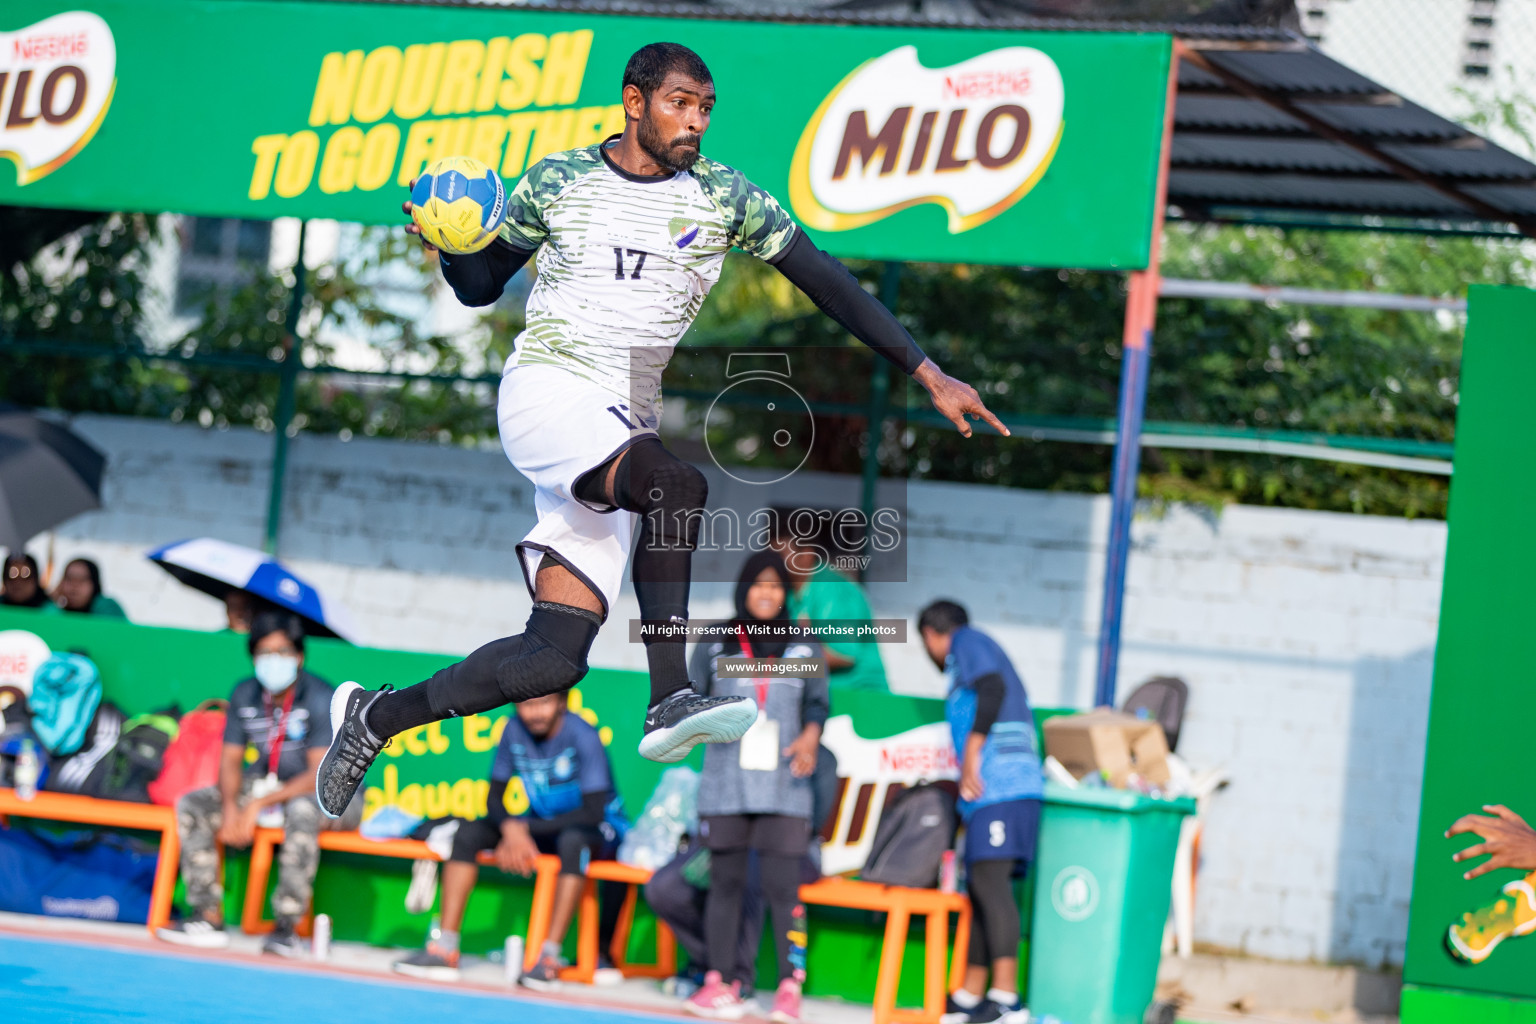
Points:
(1508, 841)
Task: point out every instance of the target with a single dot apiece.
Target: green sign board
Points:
(1479, 747)
(889, 143)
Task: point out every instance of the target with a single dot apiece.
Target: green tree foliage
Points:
(1048, 343)
(1036, 342)
(90, 292)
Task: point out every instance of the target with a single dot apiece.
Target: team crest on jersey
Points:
(684, 231)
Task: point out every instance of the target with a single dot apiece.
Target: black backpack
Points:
(915, 830)
(135, 761)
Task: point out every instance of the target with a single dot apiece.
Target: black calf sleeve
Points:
(550, 655)
(669, 496)
(994, 912)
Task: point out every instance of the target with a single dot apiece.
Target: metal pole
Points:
(879, 407)
(1242, 291)
(287, 384)
(1135, 362)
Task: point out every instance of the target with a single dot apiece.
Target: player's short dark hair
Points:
(650, 65)
(276, 620)
(943, 617)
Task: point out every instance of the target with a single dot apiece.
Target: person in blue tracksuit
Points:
(1001, 790)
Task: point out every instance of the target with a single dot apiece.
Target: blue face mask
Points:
(276, 672)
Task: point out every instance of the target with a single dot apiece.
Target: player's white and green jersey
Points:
(625, 262)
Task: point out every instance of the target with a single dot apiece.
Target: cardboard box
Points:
(1110, 742)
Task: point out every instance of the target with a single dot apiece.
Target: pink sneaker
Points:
(716, 999)
(786, 1002)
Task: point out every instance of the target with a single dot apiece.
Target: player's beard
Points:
(676, 154)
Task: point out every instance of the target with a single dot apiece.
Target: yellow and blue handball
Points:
(459, 203)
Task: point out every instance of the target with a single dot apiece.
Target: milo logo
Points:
(973, 138)
(56, 82)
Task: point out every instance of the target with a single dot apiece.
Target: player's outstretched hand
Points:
(411, 228)
(955, 399)
(1508, 841)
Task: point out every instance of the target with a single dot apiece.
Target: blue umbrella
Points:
(216, 567)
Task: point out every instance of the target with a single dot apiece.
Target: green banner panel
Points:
(1444, 1006)
(442, 768)
(1479, 746)
(887, 143)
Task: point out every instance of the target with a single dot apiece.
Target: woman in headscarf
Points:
(23, 584)
(79, 591)
(755, 794)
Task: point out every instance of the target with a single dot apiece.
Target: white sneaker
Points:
(196, 931)
(423, 890)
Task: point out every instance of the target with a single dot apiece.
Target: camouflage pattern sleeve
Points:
(758, 224)
(524, 227)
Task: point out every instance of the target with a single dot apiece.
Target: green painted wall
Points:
(1479, 745)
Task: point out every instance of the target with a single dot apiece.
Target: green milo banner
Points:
(888, 143)
(1469, 960)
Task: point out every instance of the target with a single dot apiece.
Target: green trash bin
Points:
(1103, 878)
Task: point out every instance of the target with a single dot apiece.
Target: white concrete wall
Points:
(1306, 638)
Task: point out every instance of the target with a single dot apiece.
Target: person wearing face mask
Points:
(277, 729)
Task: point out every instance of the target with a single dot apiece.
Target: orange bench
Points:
(547, 871)
(900, 905)
(86, 810)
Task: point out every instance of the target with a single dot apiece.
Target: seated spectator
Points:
(755, 795)
(79, 591)
(277, 730)
(819, 592)
(23, 584)
(551, 792)
(1001, 789)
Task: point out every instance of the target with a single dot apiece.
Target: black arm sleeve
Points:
(836, 293)
(989, 701)
(495, 802)
(593, 807)
(478, 278)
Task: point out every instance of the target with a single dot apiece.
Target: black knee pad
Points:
(668, 492)
(553, 656)
(571, 844)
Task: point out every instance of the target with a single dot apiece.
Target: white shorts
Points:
(555, 427)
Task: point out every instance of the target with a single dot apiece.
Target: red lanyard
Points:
(281, 729)
(762, 684)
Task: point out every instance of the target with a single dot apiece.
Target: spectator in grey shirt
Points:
(755, 793)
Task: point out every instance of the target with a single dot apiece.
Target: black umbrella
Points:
(48, 473)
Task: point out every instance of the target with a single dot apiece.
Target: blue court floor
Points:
(43, 979)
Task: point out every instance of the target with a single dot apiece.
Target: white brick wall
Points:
(1306, 638)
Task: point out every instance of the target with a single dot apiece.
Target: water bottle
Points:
(512, 958)
(27, 770)
(948, 877)
(320, 943)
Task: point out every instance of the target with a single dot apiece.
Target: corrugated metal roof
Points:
(1290, 132)
(1267, 127)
